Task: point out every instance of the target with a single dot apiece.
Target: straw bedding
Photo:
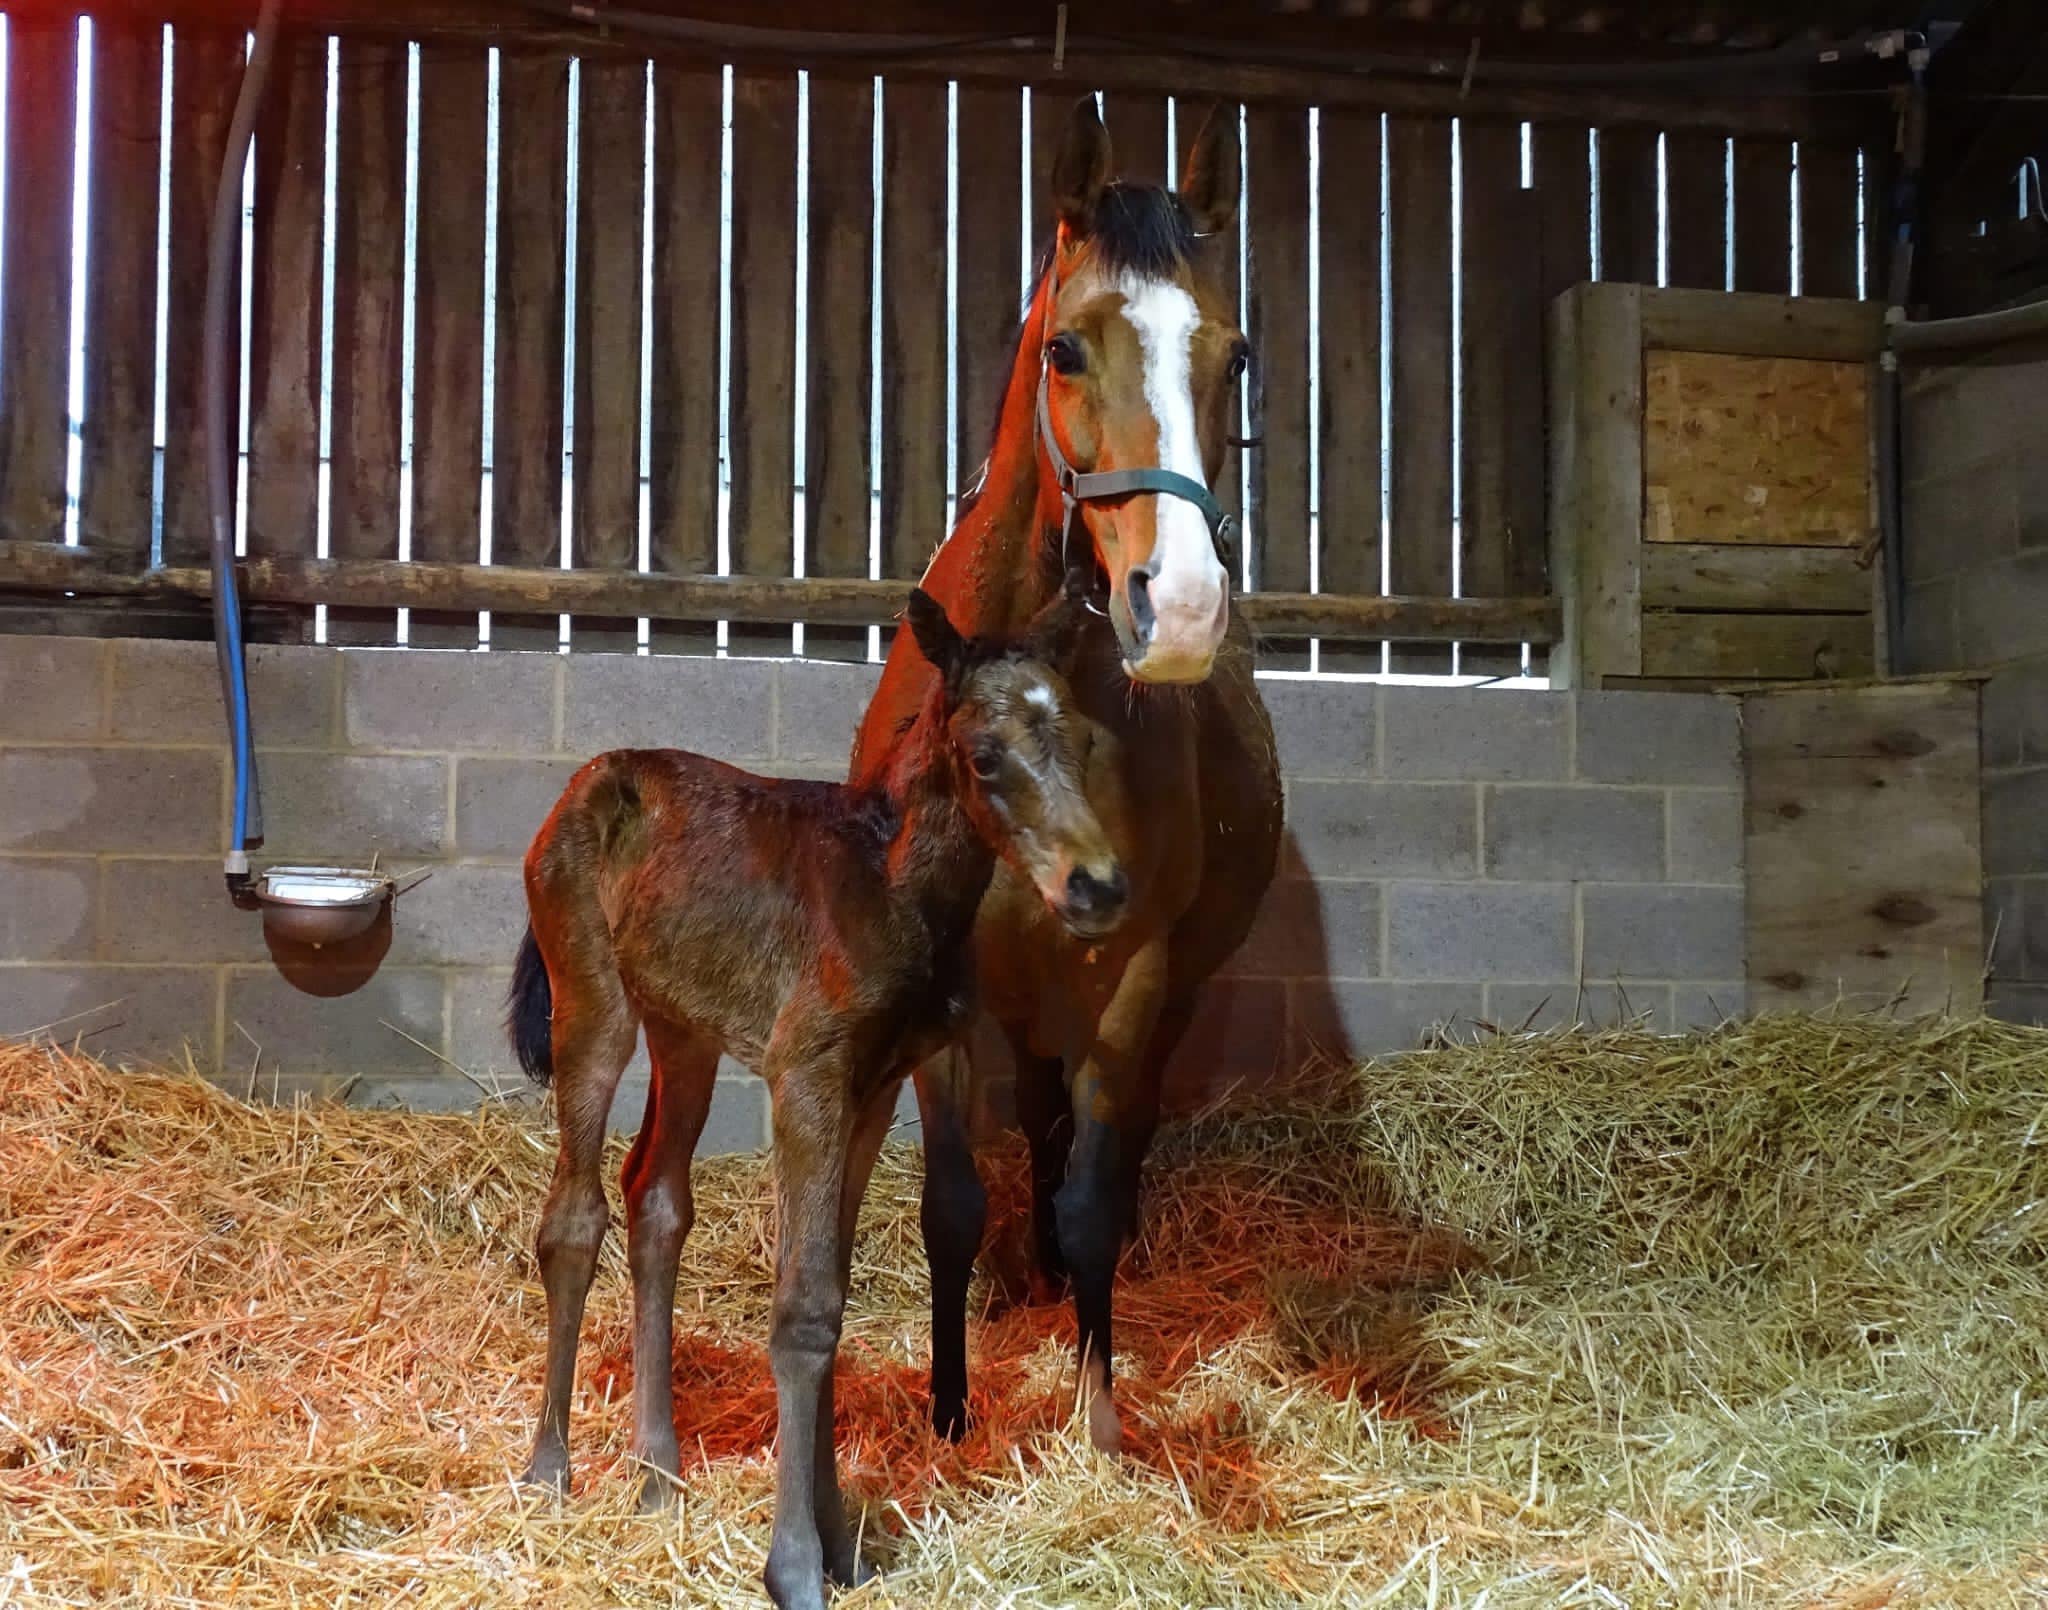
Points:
(1751, 1318)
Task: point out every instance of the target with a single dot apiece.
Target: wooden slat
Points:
(206, 72)
(610, 164)
(683, 446)
(35, 316)
(913, 326)
(369, 284)
(1222, 258)
(1628, 205)
(1277, 182)
(1348, 500)
(1763, 215)
(526, 432)
(1727, 648)
(1137, 130)
(1763, 326)
(855, 601)
(120, 357)
(1502, 333)
(284, 313)
(1727, 576)
(988, 256)
(1863, 848)
(1419, 176)
(1828, 246)
(1051, 107)
(448, 328)
(1878, 165)
(840, 368)
(1564, 179)
(1696, 184)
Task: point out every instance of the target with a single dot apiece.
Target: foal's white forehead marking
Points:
(1165, 318)
(1039, 697)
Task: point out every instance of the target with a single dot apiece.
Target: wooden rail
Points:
(44, 567)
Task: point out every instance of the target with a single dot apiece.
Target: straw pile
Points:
(1754, 1318)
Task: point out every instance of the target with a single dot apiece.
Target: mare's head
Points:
(1019, 748)
(1142, 358)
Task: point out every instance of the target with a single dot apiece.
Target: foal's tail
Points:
(530, 1011)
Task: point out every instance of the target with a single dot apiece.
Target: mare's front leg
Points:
(953, 1213)
(659, 1211)
(813, 1134)
(1090, 1207)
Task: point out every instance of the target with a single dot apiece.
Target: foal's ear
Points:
(1055, 631)
(1081, 171)
(1209, 178)
(936, 638)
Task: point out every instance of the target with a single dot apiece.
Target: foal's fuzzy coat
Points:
(818, 933)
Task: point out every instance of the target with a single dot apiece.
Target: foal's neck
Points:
(936, 857)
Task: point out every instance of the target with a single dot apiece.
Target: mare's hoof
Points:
(657, 1494)
(949, 1420)
(1048, 1287)
(853, 1572)
(790, 1590)
(546, 1476)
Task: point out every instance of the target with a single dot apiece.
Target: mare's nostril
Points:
(1138, 591)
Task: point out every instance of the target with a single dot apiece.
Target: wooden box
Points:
(1712, 487)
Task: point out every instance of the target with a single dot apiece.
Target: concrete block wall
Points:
(1484, 855)
(1976, 575)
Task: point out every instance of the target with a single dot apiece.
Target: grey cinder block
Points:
(500, 804)
(1512, 1008)
(165, 692)
(1547, 833)
(1708, 1006)
(460, 915)
(1930, 637)
(1354, 1020)
(1238, 1039)
(1479, 930)
(125, 1015)
(449, 699)
(1381, 830)
(818, 706)
(1627, 737)
(1491, 734)
(354, 806)
(48, 909)
(1706, 836)
(355, 1032)
(163, 801)
(2015, 822)
(1323, 729)
(2002, 611)
(2016, 717)
(1961, 521)
(721, 708)
(1313, 930)
(1667, 932)
(174, 911)
(2018, 1003)
(51, 688)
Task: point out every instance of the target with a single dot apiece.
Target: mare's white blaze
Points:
(1187, 581)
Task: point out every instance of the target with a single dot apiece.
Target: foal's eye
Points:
(1064, 353)
(986, 760)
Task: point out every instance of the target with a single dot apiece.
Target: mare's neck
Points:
(935, 859)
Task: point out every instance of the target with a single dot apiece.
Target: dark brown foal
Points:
(821, 934)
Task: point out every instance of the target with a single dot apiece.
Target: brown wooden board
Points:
(1733, 576)
(1137, 131)
(1745, 449)
(1052, 106)
(988, 255)
(1696, 188)
(206, 72)
(1828, 199)
(1223, 257)
(1419, 177)
(35, 255)
(285, 354)
(1763, 215)
(1502, 370)
(1348, 499)
(1628, 205)
(1763, 326)
(369, 283)
(913, 296)
(1564, 180)
(1729, 648)
(117, 485)
(683, 443)
(1277, 180)
(1879, 161)
(1863, 849)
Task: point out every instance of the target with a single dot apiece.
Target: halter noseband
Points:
(1098, 486)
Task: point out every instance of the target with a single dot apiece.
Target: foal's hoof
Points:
(546, 1476)
(657, 1494)
(852, 1572)
(1105, 1425)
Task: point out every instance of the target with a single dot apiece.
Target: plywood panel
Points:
(1742, 647)
(1747, 449)
(1862, 846)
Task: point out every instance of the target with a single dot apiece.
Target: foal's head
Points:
(1019, 749)
(1142, 358)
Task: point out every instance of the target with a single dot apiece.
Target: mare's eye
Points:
(1238, 360)
(1064, 353)
(986, 760)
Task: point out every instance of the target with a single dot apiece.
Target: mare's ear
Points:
(937, 641)
(1081, 171)
(1209, 178)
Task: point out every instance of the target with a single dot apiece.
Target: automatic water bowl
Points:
(320, 905)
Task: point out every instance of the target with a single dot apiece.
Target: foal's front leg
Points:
(812, 1134)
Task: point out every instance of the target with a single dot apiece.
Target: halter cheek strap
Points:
(1097, 486)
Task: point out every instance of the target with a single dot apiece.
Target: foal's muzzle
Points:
(1093, 902)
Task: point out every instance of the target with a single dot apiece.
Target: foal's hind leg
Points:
(656, 1183)
(953, 1213)
(1045, 1113)
(593, 1041)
